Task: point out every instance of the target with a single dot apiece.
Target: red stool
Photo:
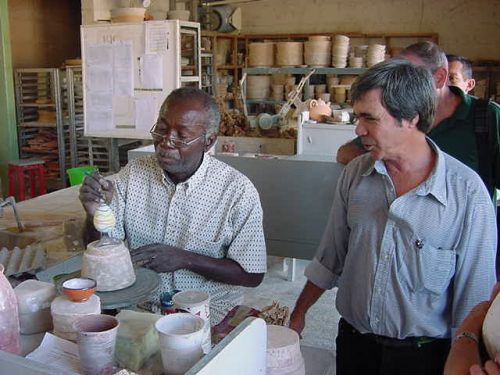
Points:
(35, 168)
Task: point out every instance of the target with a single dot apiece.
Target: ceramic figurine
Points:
(318, 109)
(104, 222)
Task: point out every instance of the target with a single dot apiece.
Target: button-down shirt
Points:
(216, 212)
(412, 265)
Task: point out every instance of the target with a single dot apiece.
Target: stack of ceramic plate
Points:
(317, 51)
(258, 86)
(289, 53)
(277, 92)
(356, 62)
(261, 54)
(340, 51)
(375, 54)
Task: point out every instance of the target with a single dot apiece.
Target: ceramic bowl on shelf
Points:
(79, 289)
(127, 15)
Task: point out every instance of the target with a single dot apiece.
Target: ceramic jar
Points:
(9, 318)
(318, 109)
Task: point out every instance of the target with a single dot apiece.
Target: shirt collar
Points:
(193, 181)
(463, 108)
(435, 184)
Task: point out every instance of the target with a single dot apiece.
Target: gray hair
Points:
(407, 90)
(432, 56)
(210, 107)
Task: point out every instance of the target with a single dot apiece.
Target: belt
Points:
(409, 342)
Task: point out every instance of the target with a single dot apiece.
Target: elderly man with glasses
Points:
(191, 218)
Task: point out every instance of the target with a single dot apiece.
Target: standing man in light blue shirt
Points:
(411, 237)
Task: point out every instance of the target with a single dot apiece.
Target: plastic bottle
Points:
(10, 341)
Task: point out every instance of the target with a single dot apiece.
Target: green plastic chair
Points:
(77, 175)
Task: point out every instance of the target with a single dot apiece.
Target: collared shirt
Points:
(216, 212)
(456, 134)
(413, 265)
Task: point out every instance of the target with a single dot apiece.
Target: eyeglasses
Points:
(172, 142)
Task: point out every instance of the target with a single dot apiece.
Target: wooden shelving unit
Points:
(487, 72)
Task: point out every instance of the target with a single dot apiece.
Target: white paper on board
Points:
(123, 68)
(99, 54)
(157, 37)
(146, 111)
(151, 71)
(123, 111)
(99, 120)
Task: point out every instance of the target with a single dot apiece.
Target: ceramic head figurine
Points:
(318, 109)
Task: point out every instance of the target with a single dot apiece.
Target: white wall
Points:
(466, 27)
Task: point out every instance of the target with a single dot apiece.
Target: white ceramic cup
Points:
(96, 338)
(181, 336)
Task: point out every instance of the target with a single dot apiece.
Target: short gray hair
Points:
(407, 90)
(210, 107)
(432, 56)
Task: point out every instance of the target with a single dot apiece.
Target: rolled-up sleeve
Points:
(475, 271)
(326, 267)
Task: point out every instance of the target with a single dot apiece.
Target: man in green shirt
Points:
(453, 129)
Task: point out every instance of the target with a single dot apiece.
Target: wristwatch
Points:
(467, 335)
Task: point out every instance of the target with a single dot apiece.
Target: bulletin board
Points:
(128, 71)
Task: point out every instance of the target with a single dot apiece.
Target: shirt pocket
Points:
(426, 268)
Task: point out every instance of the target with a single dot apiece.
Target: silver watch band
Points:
(467, 335)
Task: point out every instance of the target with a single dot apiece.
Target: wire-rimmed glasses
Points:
(172, 142)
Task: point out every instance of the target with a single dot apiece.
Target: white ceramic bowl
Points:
(127, 14)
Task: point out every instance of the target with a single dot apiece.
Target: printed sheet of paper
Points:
(57, 352)
(99, 85)
(157, 37)
(123, 111)
(146, 111)
(123, 68)
(151, 71)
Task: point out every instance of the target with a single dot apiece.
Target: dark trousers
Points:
(369, 354)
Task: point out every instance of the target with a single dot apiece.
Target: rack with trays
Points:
(207, 72)
(190, 72)
(392, 41)
(266, 105)
(228, 52)
(83, 150)
(42, 133)
(487, 76)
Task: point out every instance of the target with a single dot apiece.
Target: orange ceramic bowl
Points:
(79, 289)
